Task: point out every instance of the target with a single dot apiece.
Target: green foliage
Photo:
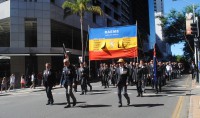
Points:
(80, 7)
(174, 27)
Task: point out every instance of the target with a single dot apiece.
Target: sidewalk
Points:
(25, 90)
(194, 108)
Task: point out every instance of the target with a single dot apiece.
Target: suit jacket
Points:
(68, 75)
(49, 78)
(83, 74)
(122, 76)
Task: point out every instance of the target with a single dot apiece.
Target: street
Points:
(100, 103)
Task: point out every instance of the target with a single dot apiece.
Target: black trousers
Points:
(83, 85)
(139, 86)
(120, 90)
(49, 93)
(69, 93)
(158, 84)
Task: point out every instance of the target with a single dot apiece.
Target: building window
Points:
(109, 22)
(107, 11)
(5, 32)
(52, 1)
(94, 18)
(63, 33)
(30, 32)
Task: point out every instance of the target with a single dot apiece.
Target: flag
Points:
(113, 42)
(154, 64)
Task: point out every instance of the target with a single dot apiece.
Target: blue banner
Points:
(113, 32)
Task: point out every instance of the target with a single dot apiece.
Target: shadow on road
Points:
(94, 106)
(146, 105)
(98, 93)
(5, 94)
(154, 95)
(100, 90)
(64, 103)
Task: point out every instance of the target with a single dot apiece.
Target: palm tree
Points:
(80, 7)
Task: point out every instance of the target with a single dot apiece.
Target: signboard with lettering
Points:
(113, 42)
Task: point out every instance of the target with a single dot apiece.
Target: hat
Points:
(121, 61)
(66, 60)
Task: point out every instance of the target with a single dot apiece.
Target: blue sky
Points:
(179, 5)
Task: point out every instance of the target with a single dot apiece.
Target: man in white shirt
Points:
(169, 70)
(33, 80)
(12, 82)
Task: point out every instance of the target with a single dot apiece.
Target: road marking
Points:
(178, 108)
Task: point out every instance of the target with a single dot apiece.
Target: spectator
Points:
(12, 82)
(4, 84)
(22, 81)
(33, 80)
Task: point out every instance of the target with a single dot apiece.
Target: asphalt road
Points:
(101, 103)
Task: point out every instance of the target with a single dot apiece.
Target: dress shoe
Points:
(67, 106)
(48, 103)
(51, 103)
(138, 95)
(74, 103)
(141, 95)
(128, 102)
(81, 93)
(120, 105)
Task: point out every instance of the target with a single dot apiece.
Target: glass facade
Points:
(30, 32)
(5, 32)
(62, 33)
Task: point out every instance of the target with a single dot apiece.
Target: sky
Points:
(179, 5)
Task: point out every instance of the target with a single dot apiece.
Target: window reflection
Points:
(5, 32)
(30, 32)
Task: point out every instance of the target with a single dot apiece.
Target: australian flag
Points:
(154, 64)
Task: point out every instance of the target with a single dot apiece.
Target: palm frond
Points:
(70, 5)
(95, 9)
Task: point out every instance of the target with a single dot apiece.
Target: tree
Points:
(80, 7)
(173, 25)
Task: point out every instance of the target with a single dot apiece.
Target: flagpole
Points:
(86, 46)
(154, 64)
(137, 39)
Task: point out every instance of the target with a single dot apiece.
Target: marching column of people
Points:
(120, 75)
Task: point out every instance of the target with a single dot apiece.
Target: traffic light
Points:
(193, 28)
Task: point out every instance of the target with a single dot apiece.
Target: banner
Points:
(113, 42)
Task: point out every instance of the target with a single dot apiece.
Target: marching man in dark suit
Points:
(122, 75)
(49, 81)
(68, 75)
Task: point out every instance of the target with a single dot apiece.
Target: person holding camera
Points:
(68, 75)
